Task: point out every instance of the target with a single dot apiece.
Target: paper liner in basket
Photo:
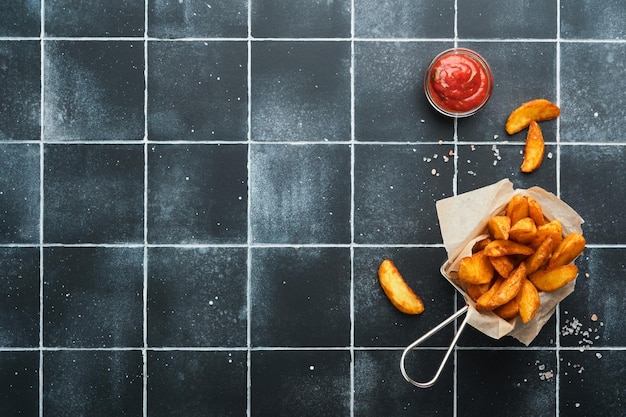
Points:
(463, 221)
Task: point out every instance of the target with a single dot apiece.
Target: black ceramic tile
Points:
(106, 18)
(300, 297)
(591, 383)
(19, 385)
(93, 193)
(300, 383)
(197, 193)
(197, 296)
(300, 91)
(521, 71)
(515, 19)
(389, 100)
(596, 201)
(482, 165)
(404, 19)
(197, 90)
(197, 19)
(592, 315)
(93, 297)
(93, 90)
(495, 382)
(191, 383)
(395, 190)
(300, 19)
(19, 193)
(589, 103)
(20, 18)
(588, 19)
(20, 295)
(20, 84)
(380, 390)
(376, 322)
(84, 382)
(300, 193)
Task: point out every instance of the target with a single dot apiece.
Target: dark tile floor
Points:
(195, 197)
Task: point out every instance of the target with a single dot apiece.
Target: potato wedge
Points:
(537, 110)
(482, 303)
(397, 290)
(507, 247)
(508, 311)
(523, 231)
(552, 279)
(541, 255)
(535, 211)
(567, 250)
(534, 148)
(480, 245)
(517, 208)
(527, 301)
(506, 291)
(476, 290)
(499, 226)
(553, 228)
(476, 269)
(503, 265)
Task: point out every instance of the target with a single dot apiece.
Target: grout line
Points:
(248, 219)
(41, 204)
(557, 312)
(144, 351)
(352, 206)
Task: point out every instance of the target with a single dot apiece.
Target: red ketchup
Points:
(458, 82)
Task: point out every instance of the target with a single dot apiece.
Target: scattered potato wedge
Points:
(537, 110)
(397, 290)
(534, 148)
(528, 301)
(476, 269)
(567, 250)
(552, 279)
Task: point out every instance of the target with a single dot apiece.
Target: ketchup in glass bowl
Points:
(458, 82)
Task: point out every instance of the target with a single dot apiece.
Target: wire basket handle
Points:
(426, 336)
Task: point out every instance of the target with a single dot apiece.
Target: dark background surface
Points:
(195, 197)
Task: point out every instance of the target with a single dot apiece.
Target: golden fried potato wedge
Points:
(503, 265)
(552, 279)
(537, 110)
(517, 208)
(527, 301)
(480, 245)
(482, 303)
(535, 211)
(541, 255)
(534, 148)
(508, 311)
(553, 228)
(567, 250)
(397, 290)
(476, 269)
(506, 291)
(476, 290)
(507, 247)
(499, 226)
(523, 231)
